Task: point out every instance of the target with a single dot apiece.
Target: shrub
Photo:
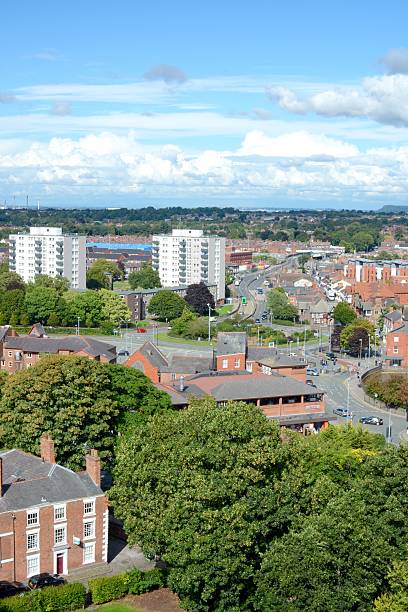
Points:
(63, 598)
(51, 599)
(29, 602)
(108, 588)
(143, 582)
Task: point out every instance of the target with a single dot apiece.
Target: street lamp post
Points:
(361, 350)
(77, 329)
(209, 323)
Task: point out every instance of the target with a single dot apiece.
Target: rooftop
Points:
(74, 344)
(28, 481)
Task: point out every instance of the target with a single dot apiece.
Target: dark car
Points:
(371, 420)
(44, 580)
(123, 353)
(7, 589)
(331, 355)
(257, 320)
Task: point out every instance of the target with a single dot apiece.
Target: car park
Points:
(8, 589)
(39, 581)
(343, 412)
(371, 420)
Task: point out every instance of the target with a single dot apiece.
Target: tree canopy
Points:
(248, 520)
(102, 273)
(80, 402)
(278, 305)
(351, 334)
(343, 313)
(145, 278)
(198, 297)
(166, 304)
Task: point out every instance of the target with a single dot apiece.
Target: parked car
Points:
(312, 372)
(39, 581)
(140, 330)
(257, 321)
(309, 381)
(123, 353)
(343, 412)
(331, 355)
(7, 589)
(371, 420)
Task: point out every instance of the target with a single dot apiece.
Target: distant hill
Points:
(393, 208)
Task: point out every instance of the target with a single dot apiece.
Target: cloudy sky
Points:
(220, 102)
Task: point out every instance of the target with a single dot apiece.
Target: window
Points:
(33, 565)
(237, 363)
(33, 540)
(59, 535)
(89, 553)
(89, 506)
(32, 517)
(249, 366)
(395, 349)
(89, 529)
(59, 513)
(29, 355)
(225, 363)
(396, 338)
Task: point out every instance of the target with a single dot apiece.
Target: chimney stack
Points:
(1, 477)
(181, 384)
(47, 448)
(93, 466)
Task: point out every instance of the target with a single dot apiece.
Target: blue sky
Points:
(266, 103)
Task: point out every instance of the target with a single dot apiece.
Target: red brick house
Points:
(397, 346)
(21, 352)
(289, 401)
(164, 369)
(51, 519)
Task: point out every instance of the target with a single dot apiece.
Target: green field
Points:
(164, 337)
(226, 309)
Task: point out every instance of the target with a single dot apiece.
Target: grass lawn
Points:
(223, 310)
(121, 285)
(164, 337)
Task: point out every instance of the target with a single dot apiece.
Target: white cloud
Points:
(381, 98)
(300, 164)
(167, 73)
(396, 61)
(61, 108)
(295, 144)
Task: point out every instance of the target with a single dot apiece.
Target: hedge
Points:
(108, 588)
(142, 582)
(50, 599)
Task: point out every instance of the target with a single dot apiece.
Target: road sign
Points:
(244, 300)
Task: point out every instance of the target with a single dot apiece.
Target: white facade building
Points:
(46, 250)
(187, 256)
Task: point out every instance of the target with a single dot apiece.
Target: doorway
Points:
(60, 564)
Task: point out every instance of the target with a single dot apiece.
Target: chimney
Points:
(181, 384)
(47, 448)
(1, 477)
(93, 466)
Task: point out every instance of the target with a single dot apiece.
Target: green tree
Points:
(343, 313)
(70, 398)
(53, 320)
(145, 278)
(396, 600)
(86, 305)
(102, 273)
(81, 403)
(302, 261)
(278, 304)
(59, 283)
(362, 241)
(359, 329)
(166, 304)
(11, 280)
(114, 308)
(179, 326)
(11, 303)
(198, 297)
(199, 477)
(41, 302)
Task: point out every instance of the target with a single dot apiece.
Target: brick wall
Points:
(231, 362)
(48, 550)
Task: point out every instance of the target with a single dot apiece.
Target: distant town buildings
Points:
(47, 250)
(21, 352)
(188, 256)
(51, 519)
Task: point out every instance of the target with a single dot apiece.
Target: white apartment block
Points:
(46, 250)
(187, 256)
